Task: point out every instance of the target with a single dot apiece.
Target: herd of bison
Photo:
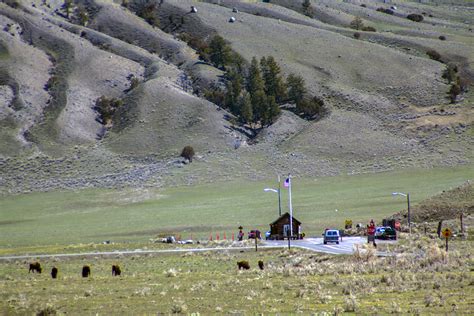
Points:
(86, 270)
(116, 271)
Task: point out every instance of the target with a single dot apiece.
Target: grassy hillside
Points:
(386, 99)
(449, 204)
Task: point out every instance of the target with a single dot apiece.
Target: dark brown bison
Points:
(243, 265)
(116, 270)
(54, 272)
(86, 271)
(35, 267)
(260, 264)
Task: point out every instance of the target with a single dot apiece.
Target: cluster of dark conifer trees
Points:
(254, 93)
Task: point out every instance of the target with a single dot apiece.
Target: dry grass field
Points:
(420, 278)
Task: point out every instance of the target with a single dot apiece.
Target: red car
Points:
(254, 234)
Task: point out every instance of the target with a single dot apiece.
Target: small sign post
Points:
(446, 234)
(256, 237)
(348, 224)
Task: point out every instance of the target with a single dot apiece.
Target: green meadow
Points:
(136, 215)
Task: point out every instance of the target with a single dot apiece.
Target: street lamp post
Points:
(408, 205)
(279, 195)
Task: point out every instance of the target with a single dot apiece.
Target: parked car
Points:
(254, 234)
(268, 235)
(331, 235)
(379, 232)
(389, 233)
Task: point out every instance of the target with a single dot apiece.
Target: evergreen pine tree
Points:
(296, 88)
(245, 109)
(233, 91)
(219, 52)
(274, 84)
(273, 110)
(254, 80)
(260, 107)
(256, 88)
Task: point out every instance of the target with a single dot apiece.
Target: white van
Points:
(331, 235)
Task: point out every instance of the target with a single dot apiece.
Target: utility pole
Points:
(408, 205)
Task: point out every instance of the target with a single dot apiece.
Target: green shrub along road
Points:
(136, 215)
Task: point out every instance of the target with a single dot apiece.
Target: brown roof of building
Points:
(283, 216)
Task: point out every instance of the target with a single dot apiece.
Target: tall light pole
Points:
(291, 210)
(408, 203)
(279, 195)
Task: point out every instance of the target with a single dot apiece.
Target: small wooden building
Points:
(280, 229)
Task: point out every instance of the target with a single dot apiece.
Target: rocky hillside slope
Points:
(387, 99)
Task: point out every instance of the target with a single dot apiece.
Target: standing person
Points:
(240, 236)
(371, 232)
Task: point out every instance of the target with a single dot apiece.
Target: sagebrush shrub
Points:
(200, 45)
(386, 11)
(106, 107)
(435, 254)
(350, 304)
(12, 3)
(311, 107)
(148, 13)
(450, 73)
(179, 307)
(415, 17)
(434, 55)
(134, 82)
(454, 91)
(357, 23)
(369, 29)
(171, 273)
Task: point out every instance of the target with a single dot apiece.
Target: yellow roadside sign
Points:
(446, 233)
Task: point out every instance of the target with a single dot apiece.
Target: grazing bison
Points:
(86, 271)
(35, 267)
(54, 272)
(260, 264)
(243, 265)
(116, 270)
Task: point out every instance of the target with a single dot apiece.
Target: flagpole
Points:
(291, 207)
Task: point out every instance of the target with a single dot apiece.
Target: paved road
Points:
(313, 244)
(346, 246)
